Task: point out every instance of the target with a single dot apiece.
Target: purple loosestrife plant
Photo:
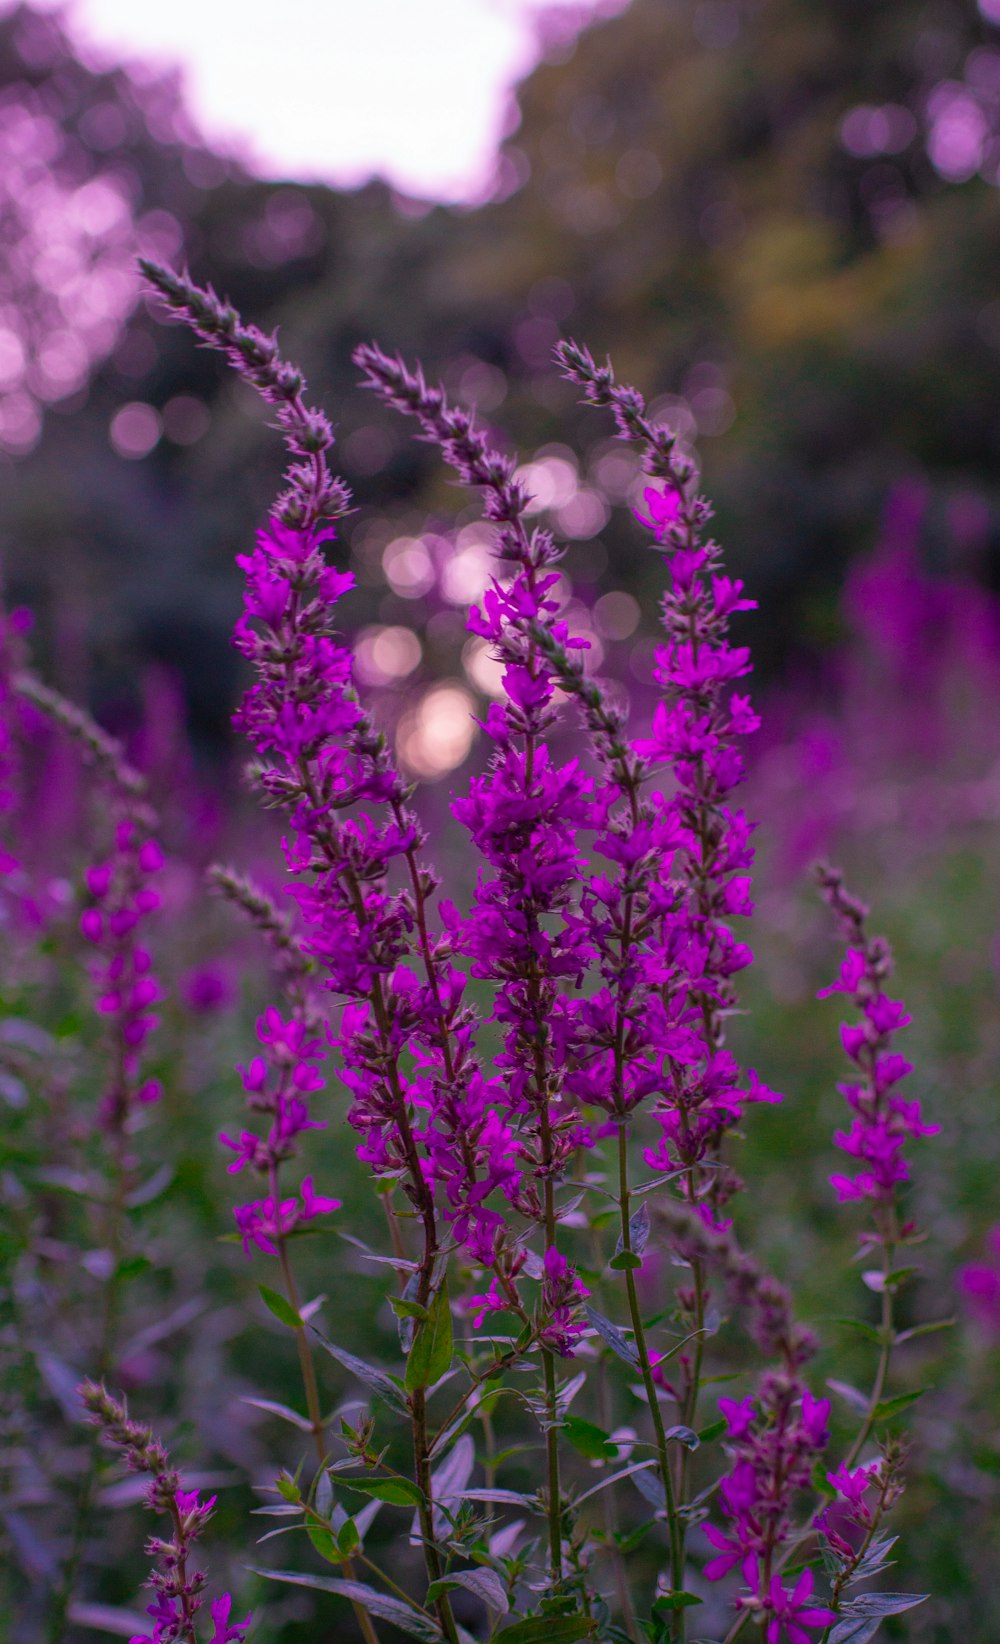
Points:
(882, 1122)
(601, 931)
(178, 1586)
(524, 816)
(118, 899)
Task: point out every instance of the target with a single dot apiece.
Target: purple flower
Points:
(664, 510)
(791, 1611)
(980, 1285)
(225, 1631)
(774, 1441)
(740, 1416)
(206, 989)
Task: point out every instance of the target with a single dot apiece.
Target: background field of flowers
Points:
(784, 221)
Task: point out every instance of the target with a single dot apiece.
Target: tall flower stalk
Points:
(602, 922)
(119, 898)
(321, 759)
(177, 1584)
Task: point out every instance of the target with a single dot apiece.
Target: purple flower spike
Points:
(883, 1121)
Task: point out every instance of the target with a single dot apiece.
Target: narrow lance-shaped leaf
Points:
(486, 1585)
(378, 1604)
(377, 1380)
(280, 1306)
(638, 1231)
(430, 1356)
(282, 1410)
(395, 1492)
(615, 1338)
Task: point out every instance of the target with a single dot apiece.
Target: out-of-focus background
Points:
(782, 217)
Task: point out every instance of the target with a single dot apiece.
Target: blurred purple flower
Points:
(980, 1286)
(207, 989)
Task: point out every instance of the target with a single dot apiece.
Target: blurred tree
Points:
(783, 216)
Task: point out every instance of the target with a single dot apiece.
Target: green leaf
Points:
(301, 1422)
(820, 1482)
(132, 1266)
(925, 1329)
(591, 1441)
(603, 1219)
(348, 1539)
(325, 1543)
(486, 1585)
(714, 1430)
(615, 1338)
(396, 1492)
(861, 1327)
(377, 1604)
(892, 1407)
(878, 1281)
(627, 1541)
(861, 1617)
(280, 1306)
(433, 1344)
(404, 1309)
(675, 1601)
(377, 1380)
(624, 1259)
(548, 1629)
(683, 1435)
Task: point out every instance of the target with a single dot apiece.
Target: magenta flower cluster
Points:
(882, 1120)
(177, 1586)
(604, 919)
(279, 1083)
(126, 991)
(774, 1441)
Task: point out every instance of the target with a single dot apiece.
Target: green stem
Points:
(400, 1592)
(674, 1530)
(549, 1371)
(888, 1331)
(422, 1470)
(604, 1406)
(552, 1466)
(109, 1326)
(316, 1423)
(689, 1412)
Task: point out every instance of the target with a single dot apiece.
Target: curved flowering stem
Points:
(321, 757)
(120, 899)
(523, 816)
(289, 1114)
(882, 1120)
(178, 1587)
(661, 925)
